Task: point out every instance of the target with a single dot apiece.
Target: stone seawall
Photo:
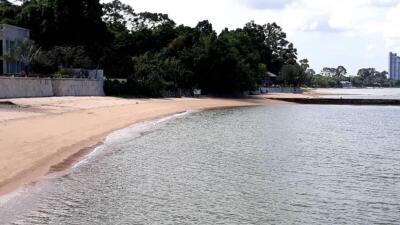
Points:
(11, 87)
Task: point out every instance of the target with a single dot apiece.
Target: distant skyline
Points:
(355, 34)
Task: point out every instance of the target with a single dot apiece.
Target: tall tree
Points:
(65, 22)
(329, 72)
(292, 74)
(341, 71)
(118, 13)
(271, 42)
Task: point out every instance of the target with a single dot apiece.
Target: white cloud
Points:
(392, 28)
(266, 4)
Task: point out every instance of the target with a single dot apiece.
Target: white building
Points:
(9, 36)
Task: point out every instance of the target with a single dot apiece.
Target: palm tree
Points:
(25, 52)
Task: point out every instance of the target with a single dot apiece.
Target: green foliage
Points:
(8, 12)
(369, 77)
(271, 43)
(25, 52)
(61, 58)
(65, 23)
(366, 77)
(323, 82)
(292, 74)
(115, 12)
(70, 57)
(150, 75)
(151, 52)
(234, 64)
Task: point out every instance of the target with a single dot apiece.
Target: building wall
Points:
(397, 68)
(11, 87)
(391, 65)
(394, 66)
(8, 34)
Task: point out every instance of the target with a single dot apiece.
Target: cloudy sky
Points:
(352, 33)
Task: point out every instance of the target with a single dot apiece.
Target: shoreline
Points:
(77, 158)
(39, 144)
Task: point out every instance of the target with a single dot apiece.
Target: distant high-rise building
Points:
(394, 66)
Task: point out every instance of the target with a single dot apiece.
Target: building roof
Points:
(12, 26)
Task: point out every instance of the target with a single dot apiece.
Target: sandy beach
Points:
(40, 133)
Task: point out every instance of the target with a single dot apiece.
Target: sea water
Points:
(275, 164)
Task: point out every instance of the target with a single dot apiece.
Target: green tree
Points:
(8, 12)
(118, 13)
(24, 52)
(341, 71)
(292, 74)
(65, 22)
(235, 64)
(370, 77)
(320, 81)
(270, 41)
(330, 72)
(149, 75)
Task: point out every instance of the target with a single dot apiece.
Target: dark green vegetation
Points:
(150, 51)
(337, 78)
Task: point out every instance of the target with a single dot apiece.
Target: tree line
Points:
(153, 55)
(150, 51)
(334, 78)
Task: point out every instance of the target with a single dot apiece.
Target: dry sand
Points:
(43, 132)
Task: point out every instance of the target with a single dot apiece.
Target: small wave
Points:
(127, 134)
(115, 138)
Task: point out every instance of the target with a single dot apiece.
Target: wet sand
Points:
(39, 135)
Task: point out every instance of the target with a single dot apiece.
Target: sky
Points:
(353, 33)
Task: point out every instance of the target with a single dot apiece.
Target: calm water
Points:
(277, 164)
(371, 93)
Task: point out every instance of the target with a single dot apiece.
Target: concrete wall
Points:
(77, 87)
(25, 87)
(44, 87)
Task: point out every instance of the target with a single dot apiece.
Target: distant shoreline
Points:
(340, 101)
(343, 96)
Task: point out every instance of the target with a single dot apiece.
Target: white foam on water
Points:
(127, 134)
(115, 138)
